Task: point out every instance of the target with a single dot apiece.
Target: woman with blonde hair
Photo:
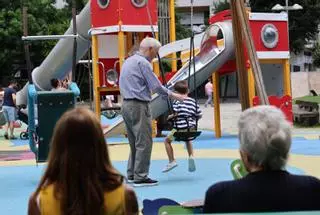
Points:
(80, 179)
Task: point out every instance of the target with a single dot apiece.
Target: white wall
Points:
(303, 82)
(299, 84)
(108, 46)
(300, 60)
(196, 3)
(198, 18)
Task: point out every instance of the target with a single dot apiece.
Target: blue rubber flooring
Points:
(18, 182)
(207, 140)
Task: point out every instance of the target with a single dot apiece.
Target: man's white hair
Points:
(150, 42)
(265, 135)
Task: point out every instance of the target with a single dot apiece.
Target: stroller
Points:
(24, 135)
(2, 119)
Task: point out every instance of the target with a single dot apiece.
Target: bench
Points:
(306, 113)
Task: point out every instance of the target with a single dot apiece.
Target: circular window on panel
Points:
(112, 77)
(269, 36)
(139, 3)
(103, 3)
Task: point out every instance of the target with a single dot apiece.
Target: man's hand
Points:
(171, 116)
(178, 97)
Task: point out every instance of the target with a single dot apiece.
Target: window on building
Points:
(296, 68)
(307, 53)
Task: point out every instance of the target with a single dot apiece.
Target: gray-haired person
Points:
(137, 83)
(265, 140)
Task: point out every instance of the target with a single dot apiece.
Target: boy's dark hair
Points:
(181, 87)
(12, 81)
(54, 82)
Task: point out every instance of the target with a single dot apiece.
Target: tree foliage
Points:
(303, 24)
(221, 6)
(316, 55)
(43, 19)
(79, 5)
(181, 31)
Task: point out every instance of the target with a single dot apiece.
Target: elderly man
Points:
(137, 83)
(265, 140)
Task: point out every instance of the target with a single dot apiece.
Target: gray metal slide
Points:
(210, 58)
(59, 61)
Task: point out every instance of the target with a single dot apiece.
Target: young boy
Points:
(188, 108)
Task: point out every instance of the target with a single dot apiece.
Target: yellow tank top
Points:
(114, 201)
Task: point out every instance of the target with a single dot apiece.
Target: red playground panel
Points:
(283, 103)
(132, 13)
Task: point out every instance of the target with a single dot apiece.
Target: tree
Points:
(316, 55)
(303, 24)
(181, 31)
(221, 6)
(43, 19)
(79, 5)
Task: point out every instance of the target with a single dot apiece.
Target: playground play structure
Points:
(254, 44)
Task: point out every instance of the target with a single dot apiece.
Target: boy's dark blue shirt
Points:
(7, 97)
